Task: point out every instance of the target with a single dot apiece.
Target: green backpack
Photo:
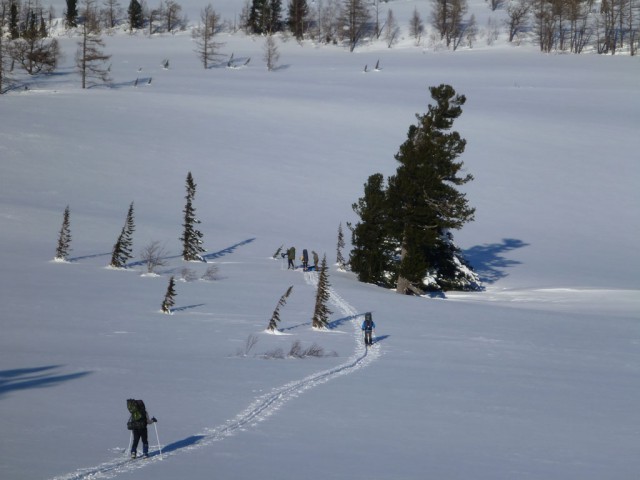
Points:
(138, 418)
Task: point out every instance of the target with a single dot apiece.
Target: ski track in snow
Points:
(259, 410)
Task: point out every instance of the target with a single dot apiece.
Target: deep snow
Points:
(535, 378)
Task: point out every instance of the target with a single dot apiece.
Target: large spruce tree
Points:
(423, 191)
(409, 223)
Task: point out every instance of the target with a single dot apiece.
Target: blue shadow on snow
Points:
(227, 251)
(37, 377)
(488, 260)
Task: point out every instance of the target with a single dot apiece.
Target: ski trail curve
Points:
(259, 410)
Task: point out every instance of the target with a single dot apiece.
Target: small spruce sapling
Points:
(121, 253)
(321, 312)
(64, 238)
(339, 258)
(275, 317)
(191, 237)
(169, 297)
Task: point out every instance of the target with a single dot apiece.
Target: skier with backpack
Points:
(291, 257)
(138, 421)
(368, 327)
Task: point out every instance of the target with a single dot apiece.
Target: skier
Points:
(305, 260)
(137, 423)
(368, 327)
(291, 256)
(315, 260)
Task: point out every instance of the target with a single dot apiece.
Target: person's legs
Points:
(136, 438)
(145, 442)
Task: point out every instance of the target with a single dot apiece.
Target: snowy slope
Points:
(536, 378)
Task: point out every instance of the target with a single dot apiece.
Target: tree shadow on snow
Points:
(488, 260)
(340, 321)
(295, 326)
(37, 377)
(186, 307)
(83, 257)
(227, 251)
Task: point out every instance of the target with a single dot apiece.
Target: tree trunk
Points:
(402, 286)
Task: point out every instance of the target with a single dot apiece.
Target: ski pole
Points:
(155, 425)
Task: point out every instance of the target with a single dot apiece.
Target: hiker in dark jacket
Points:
(291, 256)
(368, 327)
(305, 260)
(137, 423)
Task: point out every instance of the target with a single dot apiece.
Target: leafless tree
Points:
(517, 17)
(447, 17)
(416, 27)
(354, 19)
(206, 49)
(545, 24)
(171, 14)
(111, 12)
(4, 8)
(32, 50)
(391, 29)
(376, 9)
(188, 275)
(90, 59)
(153, 256)
(271, 54)
(327, 15)
(211, 273)
(580, 31)
(249, 343)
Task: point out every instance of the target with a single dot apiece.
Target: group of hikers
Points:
(291, 258)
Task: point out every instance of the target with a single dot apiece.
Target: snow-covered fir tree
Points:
(169, 296)
(64, 237)
(275, 317)
(321, 311)
(191, 237)
(121, 252)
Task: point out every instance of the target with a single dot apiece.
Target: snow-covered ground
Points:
(535, 378)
